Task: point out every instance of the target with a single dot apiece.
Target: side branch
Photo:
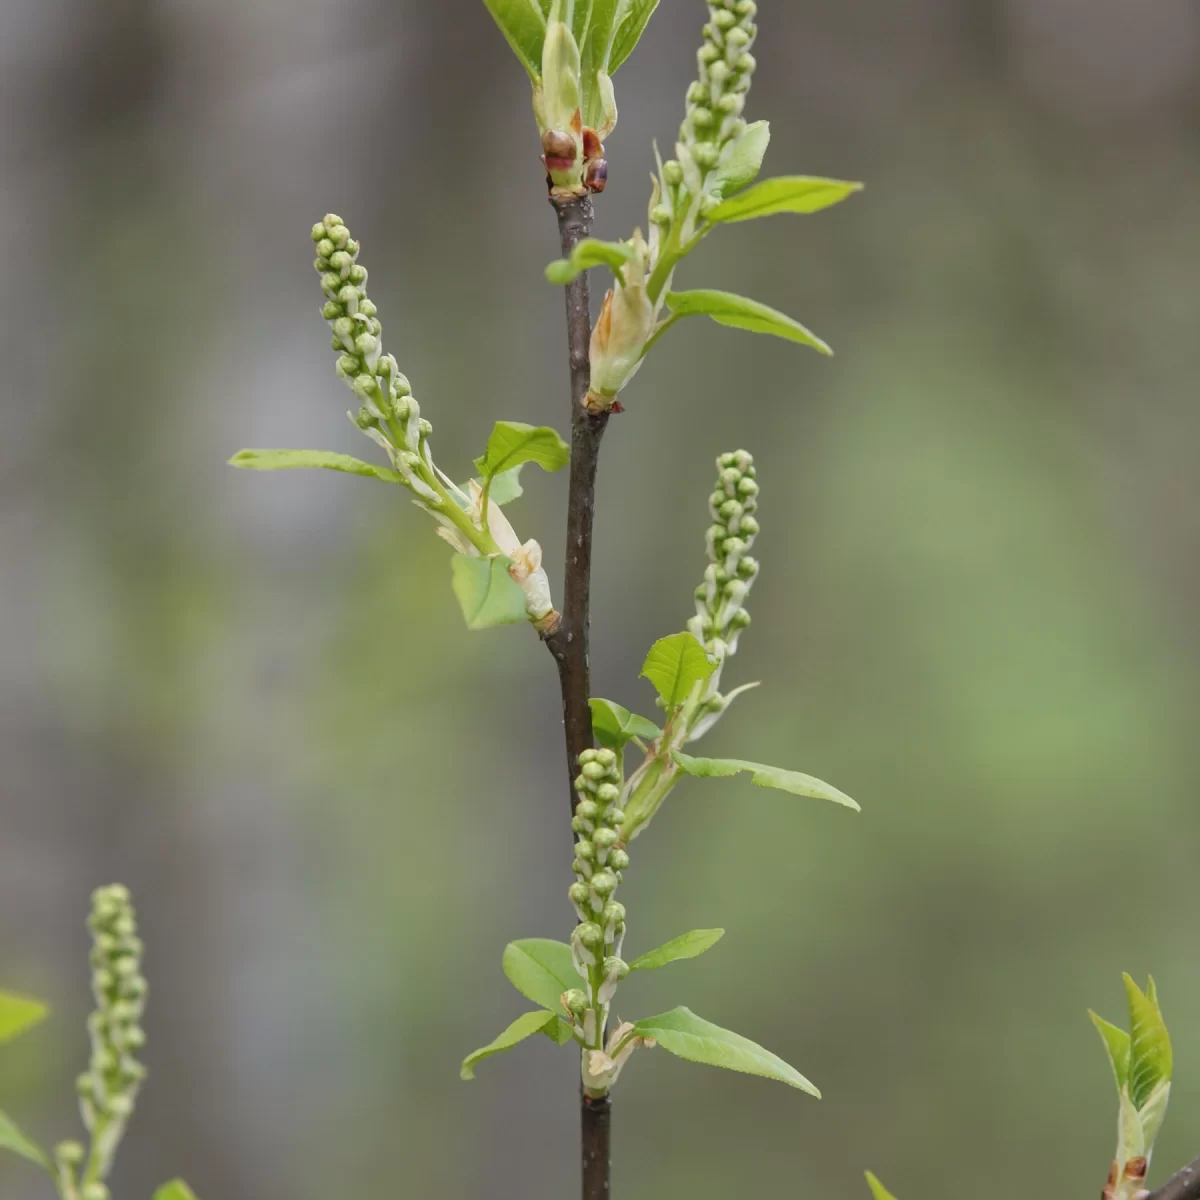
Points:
(1183, 1186)
(569, 642)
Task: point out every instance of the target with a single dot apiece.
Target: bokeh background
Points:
(251, 698)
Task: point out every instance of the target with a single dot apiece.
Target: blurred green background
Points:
(251, 698)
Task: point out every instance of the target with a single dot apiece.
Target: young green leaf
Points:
(741, 160)
(487, 594)
(506, 486)
(763, 776)
(175, 1190)
(11, 1138)
(787, 194)
(1116, 1042)
(682, 1033)
(513, 443)
(740, 313)
(631, 24)
(522, 1028)
(591, 252)
(686, 945)
(878, 1191)
(19, 1014)
(1154, 1112)
(288, 460)
(614, 725)
(675, 665)
(1150, 1059)
(541, 970)
(559, 1032)
(523, 24)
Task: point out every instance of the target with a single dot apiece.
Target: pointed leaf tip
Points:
(878, 1191)
(523, 1027)
(175, 1190)
(1116, 1043)
(13, 1140)
(787, 194)
(739, 312)
(326, 460)
(794, 782)
(682, 1033)
(686, 945)
(19, 1014)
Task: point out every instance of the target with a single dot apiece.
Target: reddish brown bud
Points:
(558, 145)
(592, 146)
(596, 175)
(1135, 1168)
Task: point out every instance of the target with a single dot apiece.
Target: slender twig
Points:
(1183, 1186)
(569, 642)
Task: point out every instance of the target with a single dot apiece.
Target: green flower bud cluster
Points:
(108, 1088)
(721, 599)
(600, 861)
(716, 100)
(387, 412)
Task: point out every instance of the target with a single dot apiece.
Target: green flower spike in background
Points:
(108, 1089)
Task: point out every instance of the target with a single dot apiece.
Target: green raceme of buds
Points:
(108, 1088)
(721, 614)
(717, 157)
(497, 578)
(596, 942)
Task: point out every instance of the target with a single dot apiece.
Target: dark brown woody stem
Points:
(569, 642)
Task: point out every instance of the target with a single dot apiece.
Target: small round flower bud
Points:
(579, 825)
(661, 214)
(135, 1038)
(585, 850)
(85, 1085)
(604, 883)
(579, 893)
(365, 418)
(615, 968)
(94, 1191)
(702, 117)
(318, 231)
(575, 1002)
(593, 771)
(614, 913)
(740, 620)
(616, 817)
(707, 155)
(747, 487)
(332, 310)
(608, 793)
(618, 860)
(748, 528)
(604, 839)
(748, 567)
(589, 810)
(606, 757)
(358, 277)
(590, 935)
(70, 1154)
(120, 1106)
(672, 173)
